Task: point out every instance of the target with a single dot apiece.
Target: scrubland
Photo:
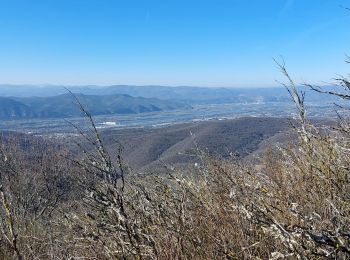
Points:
(295, 205)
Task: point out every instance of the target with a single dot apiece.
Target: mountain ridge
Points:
(188, 94)
(64, 105)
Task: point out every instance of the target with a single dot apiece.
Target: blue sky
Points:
(227, 43)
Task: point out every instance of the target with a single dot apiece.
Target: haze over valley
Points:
(39, 109)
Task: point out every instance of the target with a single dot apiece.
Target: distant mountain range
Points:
(62, 106)
(189, 95)
(27, 101)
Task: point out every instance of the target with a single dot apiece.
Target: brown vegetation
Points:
(149, 149)
(297, 205)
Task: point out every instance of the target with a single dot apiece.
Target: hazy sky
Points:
(172, 42)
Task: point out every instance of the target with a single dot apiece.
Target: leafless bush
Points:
(33, 181)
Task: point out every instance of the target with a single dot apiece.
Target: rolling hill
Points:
(64, 105)
(146, 149)
(149, 149)
(10, 108)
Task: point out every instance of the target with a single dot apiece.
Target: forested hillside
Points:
(65, 105)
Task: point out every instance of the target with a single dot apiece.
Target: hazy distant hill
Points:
(64, 106)
(13, 109)
(190, 95)
(201, 95)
